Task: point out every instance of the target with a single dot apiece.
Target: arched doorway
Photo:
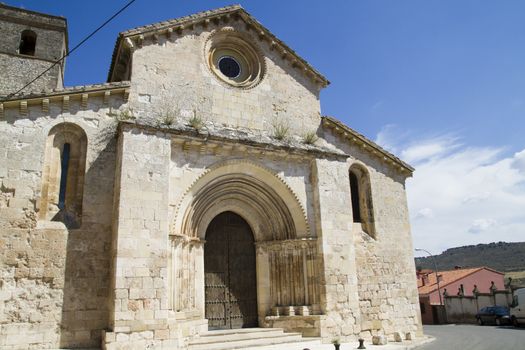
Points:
(230, 273)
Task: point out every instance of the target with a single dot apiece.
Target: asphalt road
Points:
(474, 337)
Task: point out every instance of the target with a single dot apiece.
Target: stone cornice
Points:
(64, 96)
(217, 143)
(33, 24)
(135, 37)
(367, 145)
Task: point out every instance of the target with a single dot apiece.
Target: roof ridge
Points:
(31, 11)
(197, 15)
(356, 135)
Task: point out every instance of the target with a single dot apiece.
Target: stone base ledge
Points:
(185, 315)
(175, 335)
(158, 339)
(23, 336)
(308, 326)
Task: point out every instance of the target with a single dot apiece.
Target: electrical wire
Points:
(72, 50)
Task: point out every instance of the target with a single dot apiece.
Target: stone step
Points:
(304, 344)
(250, 338)
(221, 332)
(206, 339)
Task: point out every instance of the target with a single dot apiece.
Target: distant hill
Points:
(501, 256)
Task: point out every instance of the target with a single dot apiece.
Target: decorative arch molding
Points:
(251, 190)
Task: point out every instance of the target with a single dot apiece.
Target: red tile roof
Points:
(447, 277)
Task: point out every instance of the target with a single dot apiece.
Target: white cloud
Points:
(377, 105)
(460, 195)
(480, 225)
(386, 138)
(425, 213)
(430, 148)
(519, 161)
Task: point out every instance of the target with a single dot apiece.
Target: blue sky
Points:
(439, 82)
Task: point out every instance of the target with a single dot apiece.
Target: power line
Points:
(72, 50)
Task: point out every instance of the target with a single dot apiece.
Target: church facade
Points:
(198, 189)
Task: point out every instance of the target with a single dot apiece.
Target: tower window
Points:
(27, 43)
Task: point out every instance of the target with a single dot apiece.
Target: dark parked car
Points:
(493, 314)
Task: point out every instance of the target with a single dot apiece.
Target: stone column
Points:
(199, 277)
(140, 240)
(264, 299)
(186, 276)
(339, 292)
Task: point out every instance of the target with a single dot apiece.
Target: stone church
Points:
(198, 189)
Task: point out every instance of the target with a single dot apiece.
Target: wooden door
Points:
(229, 273)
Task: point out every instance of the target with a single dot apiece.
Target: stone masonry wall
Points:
(54, 281)
(139, 316)
(24, 69)
(336, 244)
(161, 72)
(388, 297)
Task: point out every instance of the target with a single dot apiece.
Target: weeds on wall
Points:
(281, 130)
(310, 137)
(196, 121)
(167, 112)
(167, 119)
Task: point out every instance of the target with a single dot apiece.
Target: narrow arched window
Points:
(354, 191)
(27, 43)
(361, 193)
(63, 175)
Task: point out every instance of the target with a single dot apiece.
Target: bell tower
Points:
(31, 43)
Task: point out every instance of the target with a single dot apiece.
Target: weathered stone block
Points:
(398, 337)
(379, 340)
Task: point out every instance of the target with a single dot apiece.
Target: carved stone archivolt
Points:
(256, 194)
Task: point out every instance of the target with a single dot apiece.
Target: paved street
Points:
(473, 337)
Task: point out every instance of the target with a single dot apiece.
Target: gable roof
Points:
(448, 277)
(355, 137)
(235, 11)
